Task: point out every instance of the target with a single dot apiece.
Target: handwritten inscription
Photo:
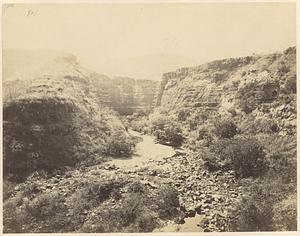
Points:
(31, 13)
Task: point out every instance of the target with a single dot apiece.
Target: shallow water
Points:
(190, 225)
(145, 151)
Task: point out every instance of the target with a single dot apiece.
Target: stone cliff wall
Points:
(259, 85)
(125, 95)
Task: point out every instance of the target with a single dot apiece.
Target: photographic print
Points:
(149, 117)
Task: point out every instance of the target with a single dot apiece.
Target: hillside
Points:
(236, 117)
(52, 123)
(260, 85)
(123, 94)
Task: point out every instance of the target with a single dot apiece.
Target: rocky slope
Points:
(122, 94)
(51, 118)
(262, 85)
(256, 97)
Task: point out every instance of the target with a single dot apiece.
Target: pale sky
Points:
(145, 40)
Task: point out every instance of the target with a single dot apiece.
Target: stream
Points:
(146, 153)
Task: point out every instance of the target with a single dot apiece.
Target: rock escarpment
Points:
(123, 94)
(51, 117)
(237, 100)
(264, 86)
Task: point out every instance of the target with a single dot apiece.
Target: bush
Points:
(252, 216)
(92, 194)
(183, 114)
(281, 153)
(166, 129)
(211, 163)
(195, 119)
(225, 128)
(260, 209)
(244, 155)
(291, 84)
(141, 125)
(285, 214)
(139, 211)
(8, 189)
(202, 137)
(46, 213)
(132, 215)
(254, 125)
(97, 205)
(119, 144)
(167, 202)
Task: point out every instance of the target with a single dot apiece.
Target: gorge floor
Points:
(206, 197)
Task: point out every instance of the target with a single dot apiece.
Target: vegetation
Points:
(119, 144)
(244, 155)
(97, 206)
(166, 129)
(260, 210)
(237, 124)
(225, 128)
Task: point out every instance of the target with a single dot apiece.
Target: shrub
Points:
(254, 125)
(244, 155)
(119, 144)
(47, 211)
(195, 119)
(259, 210)
(166, 129)
(132, 215)
(95, 206)
(8, 188)
(141, 125)
(282, 68)
(183, 114)
(291, 84)
(285, 214)
(225, 128)
(281, 153)
(167, 202)
(252, 216)
(92, 194)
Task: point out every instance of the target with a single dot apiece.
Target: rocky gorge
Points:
(65, 123)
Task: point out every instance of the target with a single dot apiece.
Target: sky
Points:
(146, 40)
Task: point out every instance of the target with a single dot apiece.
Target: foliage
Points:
(256, 212)
(291, 84)
(255, 125)
(119, 144)
(166, 129)
(140, 124)
(47, 211)
(244, 155)
(140, 211)
(285, 214)
(281, 154)
(225, 128)
(94, 205)
(167, 202)
(8, 188)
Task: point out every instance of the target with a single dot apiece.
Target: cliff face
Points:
(125, 95)
(51, 118)
(264, 86)
(122, 94)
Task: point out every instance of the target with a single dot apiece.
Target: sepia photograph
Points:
(140, 116)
